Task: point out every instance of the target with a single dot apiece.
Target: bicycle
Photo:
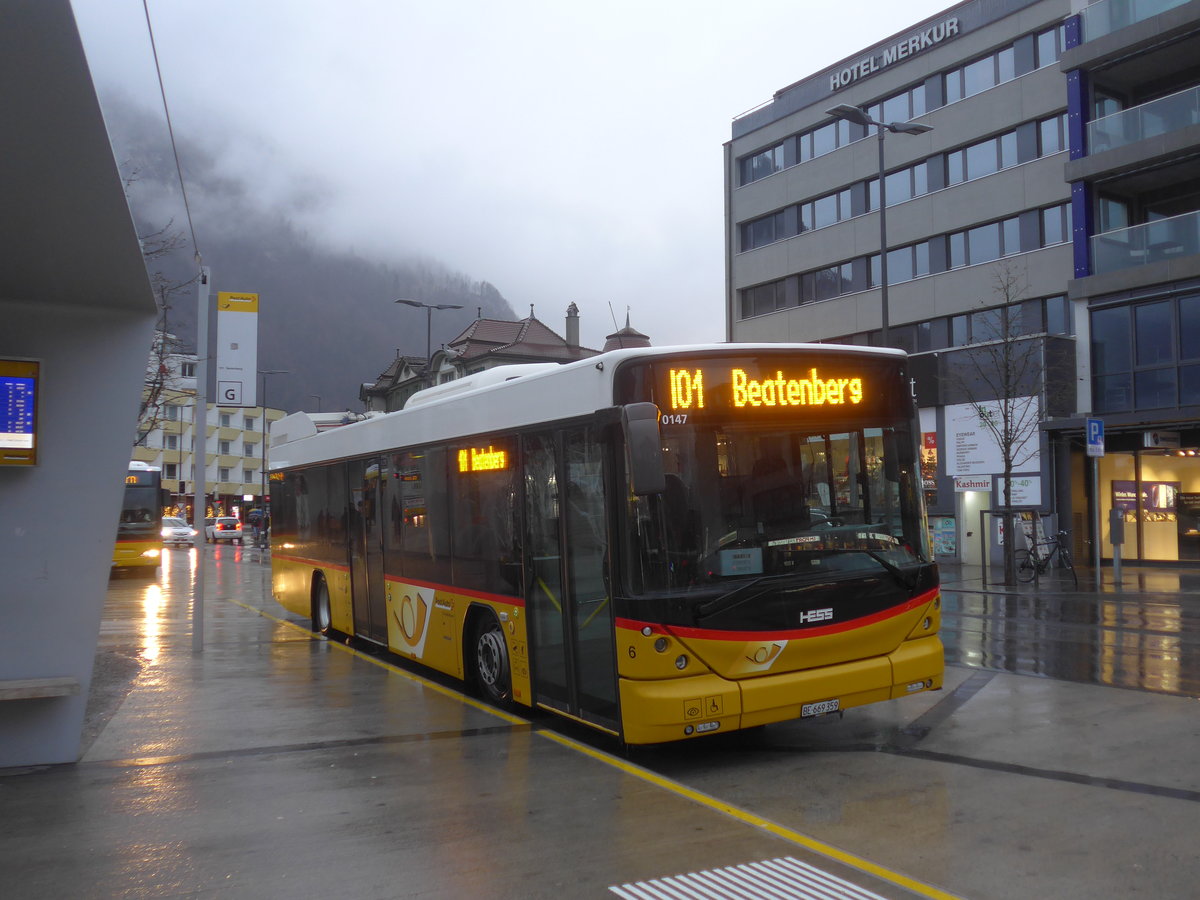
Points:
(1034, 562)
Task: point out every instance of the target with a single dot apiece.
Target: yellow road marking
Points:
(636, 771)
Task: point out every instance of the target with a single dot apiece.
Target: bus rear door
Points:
(368, 487)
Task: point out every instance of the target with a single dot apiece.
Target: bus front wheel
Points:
(492, 672)
(322, 619)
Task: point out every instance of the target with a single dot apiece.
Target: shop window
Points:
(1153, 328)
(933, 335)
(1112, 393)
(1189, 328)
(1058, 316)
(1110, 340)
(1189, 383)
(1154, 389)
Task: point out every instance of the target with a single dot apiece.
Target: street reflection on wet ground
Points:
(276, 763)
(1143, 634)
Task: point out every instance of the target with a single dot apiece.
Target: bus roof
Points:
(499, 402)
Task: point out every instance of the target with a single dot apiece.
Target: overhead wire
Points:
(171, 131)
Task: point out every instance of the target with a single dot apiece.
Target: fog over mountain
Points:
(326, 315)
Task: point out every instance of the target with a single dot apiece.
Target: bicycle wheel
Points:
(1025, 566)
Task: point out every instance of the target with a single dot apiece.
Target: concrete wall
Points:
(75, 295)
(58, 520)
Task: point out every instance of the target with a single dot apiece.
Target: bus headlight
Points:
(151, 553)
(681, 661)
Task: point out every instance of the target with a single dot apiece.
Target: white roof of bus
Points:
(544, 393)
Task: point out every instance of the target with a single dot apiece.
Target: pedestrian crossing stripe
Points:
(785, 878)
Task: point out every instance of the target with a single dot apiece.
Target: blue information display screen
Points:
(18, 411)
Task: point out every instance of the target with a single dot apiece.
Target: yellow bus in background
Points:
(139, 530)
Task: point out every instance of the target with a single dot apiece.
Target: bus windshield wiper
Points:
(906, 580)
(736, 597)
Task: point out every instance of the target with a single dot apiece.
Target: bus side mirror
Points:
(643, 448)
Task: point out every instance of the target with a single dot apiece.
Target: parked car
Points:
(177, 532)
(224, 528)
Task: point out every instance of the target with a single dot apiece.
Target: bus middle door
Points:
(368, 485)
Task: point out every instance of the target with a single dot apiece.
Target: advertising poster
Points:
(943, 536)
(972, 446)
(1159, 500)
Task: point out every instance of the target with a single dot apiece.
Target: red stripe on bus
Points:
(316, 564)
(714, 634)
(466, 592)
(399, 579)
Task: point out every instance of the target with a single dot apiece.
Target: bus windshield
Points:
(745, 503)
(140, 513)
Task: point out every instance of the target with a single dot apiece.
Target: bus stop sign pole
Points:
(1095, 449)
(200, 454)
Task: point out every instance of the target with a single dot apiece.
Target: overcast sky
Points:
(562, 151)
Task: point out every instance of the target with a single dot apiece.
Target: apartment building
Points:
(234, 457)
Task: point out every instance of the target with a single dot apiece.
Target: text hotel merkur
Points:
(910, 46)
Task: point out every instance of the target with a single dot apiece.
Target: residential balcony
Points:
(1108, 16)
(1158, 117)
(1163, 240)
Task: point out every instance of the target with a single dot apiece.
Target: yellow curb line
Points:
(646, 775)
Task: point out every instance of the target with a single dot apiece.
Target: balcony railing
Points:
(1108, 16)
(1151, 119)
(1162, 239)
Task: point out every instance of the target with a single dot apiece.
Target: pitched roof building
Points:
(484, 344)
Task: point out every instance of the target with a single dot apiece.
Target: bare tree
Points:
(1000, 374)
(157, 246)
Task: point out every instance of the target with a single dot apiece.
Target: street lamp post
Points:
(262, 499)
(429, 308)
(858, 117)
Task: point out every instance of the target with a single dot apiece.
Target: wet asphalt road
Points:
(1060, 761)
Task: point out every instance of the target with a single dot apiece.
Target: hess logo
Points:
(816, 615)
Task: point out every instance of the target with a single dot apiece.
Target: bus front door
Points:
(367, 487)
(567, 598)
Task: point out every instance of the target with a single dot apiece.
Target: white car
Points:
(224, 528)
(177, 532)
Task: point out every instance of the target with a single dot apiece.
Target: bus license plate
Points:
(819, 709)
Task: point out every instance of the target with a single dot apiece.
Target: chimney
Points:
(573, 326)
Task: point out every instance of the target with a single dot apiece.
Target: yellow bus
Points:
(661, 543)
(139, 529)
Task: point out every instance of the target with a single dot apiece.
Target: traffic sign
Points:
(1095, 437)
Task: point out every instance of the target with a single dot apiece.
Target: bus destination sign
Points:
(740, 390)
(473, 459)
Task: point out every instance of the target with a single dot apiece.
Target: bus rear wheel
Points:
(492, 672)
(322, 618)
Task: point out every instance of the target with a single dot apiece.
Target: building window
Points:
(248, 476)
(763, 299)
(171, 471)
(223, 474)
(1137, 351)
(172, 442)
(225, 420)
(976, 160)
(171, 412)
(188, 370)
(249, 423)
(250, 449)
(224, 448)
